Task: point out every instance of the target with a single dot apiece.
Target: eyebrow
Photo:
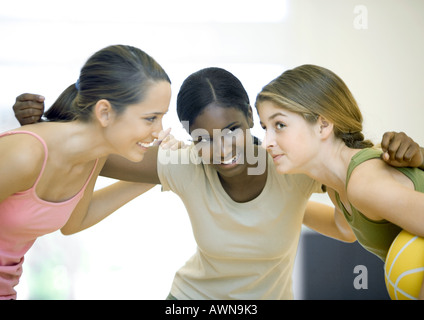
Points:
(153, 113)
(226, 127)
(276, 115)
(230, 125)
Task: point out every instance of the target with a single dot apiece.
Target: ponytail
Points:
(62, 108)
(355, 140)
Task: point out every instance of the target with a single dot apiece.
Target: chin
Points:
(282, 169)
(137, 158)
(230, 172)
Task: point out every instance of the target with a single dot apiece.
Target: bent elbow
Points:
(67, 231)
(348, 238)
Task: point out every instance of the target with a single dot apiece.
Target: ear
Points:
(250, 117)
(325, 127)
(103, 112)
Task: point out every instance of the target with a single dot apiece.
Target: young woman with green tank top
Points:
(313, 126)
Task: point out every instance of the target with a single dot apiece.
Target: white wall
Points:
(135, 253)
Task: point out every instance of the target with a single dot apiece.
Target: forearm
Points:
(104, 202)
(145, 171)
(326, 220)
(109, 199)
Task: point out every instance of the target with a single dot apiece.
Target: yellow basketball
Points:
(404, 268)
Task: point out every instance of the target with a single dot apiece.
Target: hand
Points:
(400, 150)
(167, 140)
(28, 108)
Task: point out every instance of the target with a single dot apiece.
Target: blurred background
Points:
(375, 46)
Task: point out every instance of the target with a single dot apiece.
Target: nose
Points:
(226, 147)
(157, 128)
(269, 140)
(222, 148)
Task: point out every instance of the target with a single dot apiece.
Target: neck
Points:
(331, 164)
(78, 142)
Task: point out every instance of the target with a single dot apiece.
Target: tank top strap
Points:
(46, 151)
(90, 176)
(360, 157)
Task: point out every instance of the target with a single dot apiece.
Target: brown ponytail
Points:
(355, 140)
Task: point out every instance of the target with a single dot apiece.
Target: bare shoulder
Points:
(22, 158)
(372, 185)
(372, 173)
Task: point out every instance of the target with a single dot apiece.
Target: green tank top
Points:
(375, 236)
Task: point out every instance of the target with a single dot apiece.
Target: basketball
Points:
(404, 267)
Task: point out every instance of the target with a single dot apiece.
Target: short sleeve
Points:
(175, 169)
(308, 185)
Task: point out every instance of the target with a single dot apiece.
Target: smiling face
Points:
(220, 136)
(131, 133)
(289, 139)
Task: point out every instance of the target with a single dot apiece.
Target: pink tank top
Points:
(23, 218)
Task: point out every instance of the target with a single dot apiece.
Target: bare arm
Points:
(327, 221)
(122, 169)
(376, 190)
(21, 160)
(96, 206)
(145, 171)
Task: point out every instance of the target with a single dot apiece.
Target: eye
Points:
(202, 140)
(279, 125)
(233, 131)
(151, 119)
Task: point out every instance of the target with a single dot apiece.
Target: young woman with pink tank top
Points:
(48, 170)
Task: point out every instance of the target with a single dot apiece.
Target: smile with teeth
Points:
(145, 144)
(232, 160)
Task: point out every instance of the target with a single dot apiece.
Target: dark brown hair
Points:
(210, 85)
(120, 74)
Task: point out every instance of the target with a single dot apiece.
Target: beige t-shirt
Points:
(245, 250)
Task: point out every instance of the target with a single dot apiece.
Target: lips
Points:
(275, 157)
(231, 160)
